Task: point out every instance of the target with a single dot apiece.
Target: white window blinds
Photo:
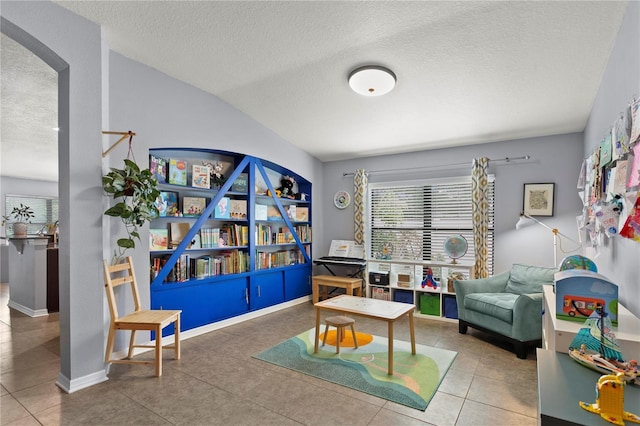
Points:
(412, 220)
(44, 208)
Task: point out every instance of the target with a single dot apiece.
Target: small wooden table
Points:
(348, 283)
(371, 308)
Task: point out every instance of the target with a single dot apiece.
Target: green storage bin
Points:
(430, 304)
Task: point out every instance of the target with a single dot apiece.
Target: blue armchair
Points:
(507, 305)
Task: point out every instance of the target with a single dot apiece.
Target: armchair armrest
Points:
(494, 284)
(527, 317)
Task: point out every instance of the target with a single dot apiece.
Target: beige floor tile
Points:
(217, 382)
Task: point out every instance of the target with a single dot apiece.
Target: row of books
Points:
(267, 260)
(204, 174)
(295, 213)
(168, 206)
(228, 235)
(188, 267)
(265, 235)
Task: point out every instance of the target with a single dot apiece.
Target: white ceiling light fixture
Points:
(372, 80)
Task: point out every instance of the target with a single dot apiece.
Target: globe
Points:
(578, 262)
(455, 247)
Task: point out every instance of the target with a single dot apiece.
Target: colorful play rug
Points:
(414, 382)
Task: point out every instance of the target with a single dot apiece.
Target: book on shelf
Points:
(238, 209)
(158, 239)
(273, 213)
(241, 184)
(291, 212)
(178, 172)
(193, 206)
(261, 212)
(158, 167)
(178, 232)
(210, 237)
(302, 214)
(167, 204)
(222, 209)
(200, 176)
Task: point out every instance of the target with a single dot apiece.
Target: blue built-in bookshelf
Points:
(231, 245)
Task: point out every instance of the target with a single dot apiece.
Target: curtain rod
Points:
(506, 160)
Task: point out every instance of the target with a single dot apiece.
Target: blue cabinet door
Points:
(297, 282)
(231, 298)
(267, 289)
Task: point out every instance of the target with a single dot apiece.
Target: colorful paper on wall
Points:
(605, 151)
(621, 133)
(635, 122)
(619, 178)
(631, 228)
(634, 169)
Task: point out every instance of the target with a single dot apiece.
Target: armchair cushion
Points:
(525, 279)
(497, 305)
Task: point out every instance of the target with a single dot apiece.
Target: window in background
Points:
(45, 209)
(412, 220)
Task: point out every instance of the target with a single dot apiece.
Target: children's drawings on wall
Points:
(609, 180)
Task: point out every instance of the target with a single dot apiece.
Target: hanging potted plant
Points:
(135, 192)
(22, 215)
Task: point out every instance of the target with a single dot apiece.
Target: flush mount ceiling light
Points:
(372, 80)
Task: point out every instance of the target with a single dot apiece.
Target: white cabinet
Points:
(557, 334)
(435, 300)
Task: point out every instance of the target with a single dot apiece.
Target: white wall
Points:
(554, 159)
(619, 257)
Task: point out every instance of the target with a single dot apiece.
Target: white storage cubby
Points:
(412, 291)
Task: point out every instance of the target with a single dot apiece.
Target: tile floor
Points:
(218, 382)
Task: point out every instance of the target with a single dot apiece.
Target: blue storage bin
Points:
(403, 296)
(450, 307)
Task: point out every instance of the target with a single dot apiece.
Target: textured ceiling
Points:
(468, 72)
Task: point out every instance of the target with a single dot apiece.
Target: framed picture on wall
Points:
(538, 199)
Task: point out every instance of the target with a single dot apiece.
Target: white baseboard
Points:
(80, 383)
(27, 311)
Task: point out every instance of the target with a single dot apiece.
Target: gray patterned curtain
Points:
(480, 214)
(359, 203)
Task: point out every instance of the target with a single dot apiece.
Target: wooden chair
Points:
(139, 319)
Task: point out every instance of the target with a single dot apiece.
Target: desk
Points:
(370, 308)
(562, 383)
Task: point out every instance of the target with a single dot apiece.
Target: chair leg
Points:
(158, 351)
(110, 342)
(353, 333)
(176, 334)
(324, 338)
(132, 342)
(338, 338)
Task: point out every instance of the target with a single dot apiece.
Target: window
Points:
(45, 209)
(411, 220)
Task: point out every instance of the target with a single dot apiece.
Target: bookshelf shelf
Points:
(208, 281)
(432, 303)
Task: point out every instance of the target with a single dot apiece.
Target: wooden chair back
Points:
(115, 276)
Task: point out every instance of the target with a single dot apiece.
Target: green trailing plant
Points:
(20, 214)
(135, 192)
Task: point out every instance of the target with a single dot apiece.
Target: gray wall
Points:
(72, 46)
(166, 113)
(554, 159)
(95, 95)
(619, 257)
